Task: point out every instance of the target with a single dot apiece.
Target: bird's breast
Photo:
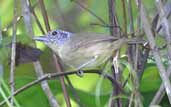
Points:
(80, 55)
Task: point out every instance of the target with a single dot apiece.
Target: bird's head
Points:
(54, 38)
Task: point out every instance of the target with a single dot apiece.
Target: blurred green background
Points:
(66, 15)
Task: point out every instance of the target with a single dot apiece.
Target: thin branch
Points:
(57, 63)
(140, 65)
(161, 91)
(138, 17)
(76, 97)
(35, 17)
(55, 75)
(124, 17)
(165, 25)
(11, 24)
(38, 68)
(13, 50)
(113, 21)
(44, 13)
(102, 25)
(59, 69)
(131, 49)
(133, 58)
(64, 25)
(155, 52)
(91, 12)
(1, 65)
(167, 9)
(131, 17)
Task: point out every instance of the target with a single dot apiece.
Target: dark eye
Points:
(54, 33)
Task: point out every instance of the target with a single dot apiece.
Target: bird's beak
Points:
(40, 38)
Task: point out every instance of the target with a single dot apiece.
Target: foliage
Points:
(67, 15)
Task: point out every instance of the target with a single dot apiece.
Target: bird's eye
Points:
(54, 33)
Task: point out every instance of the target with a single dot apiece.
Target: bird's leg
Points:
(115, 63)
(80, 72)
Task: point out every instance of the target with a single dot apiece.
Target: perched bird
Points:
(82, 50)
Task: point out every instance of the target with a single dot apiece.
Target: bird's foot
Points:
(80, 73)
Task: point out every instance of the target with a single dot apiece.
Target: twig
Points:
(113, 21)
(1, 65)
(124, 17)
(57, 63)
(64, 25)
(44, 13)
(134, 54)
(102, 25)
(35, 17)
(59, 69)
(131, 49)
(167, 8)
(156, 55)
(11, 24)
(131, 17)
(13, 49)
(76, 97)
(144, 53)
(131, 100)
(139, 17)
(161, 91)
(165, 25)
(91, 12)
(54, 75)
(38, 68)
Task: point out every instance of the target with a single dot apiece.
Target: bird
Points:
(84, 49)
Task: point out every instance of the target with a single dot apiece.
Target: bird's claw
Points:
(80, 73)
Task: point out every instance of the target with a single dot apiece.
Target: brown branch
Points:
(113, 21)
(44, 13)
(132, 52)
(140, 65)
(102, 25)
(59, 69)
(57, 63)
(35, 17)
(76, 97)
(124, 17)
(134, 58)
(64, 25)
(54, 75)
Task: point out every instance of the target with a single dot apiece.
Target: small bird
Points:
(82, 50)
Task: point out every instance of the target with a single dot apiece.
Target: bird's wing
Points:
(89, 38)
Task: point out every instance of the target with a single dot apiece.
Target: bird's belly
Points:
(89, 55)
